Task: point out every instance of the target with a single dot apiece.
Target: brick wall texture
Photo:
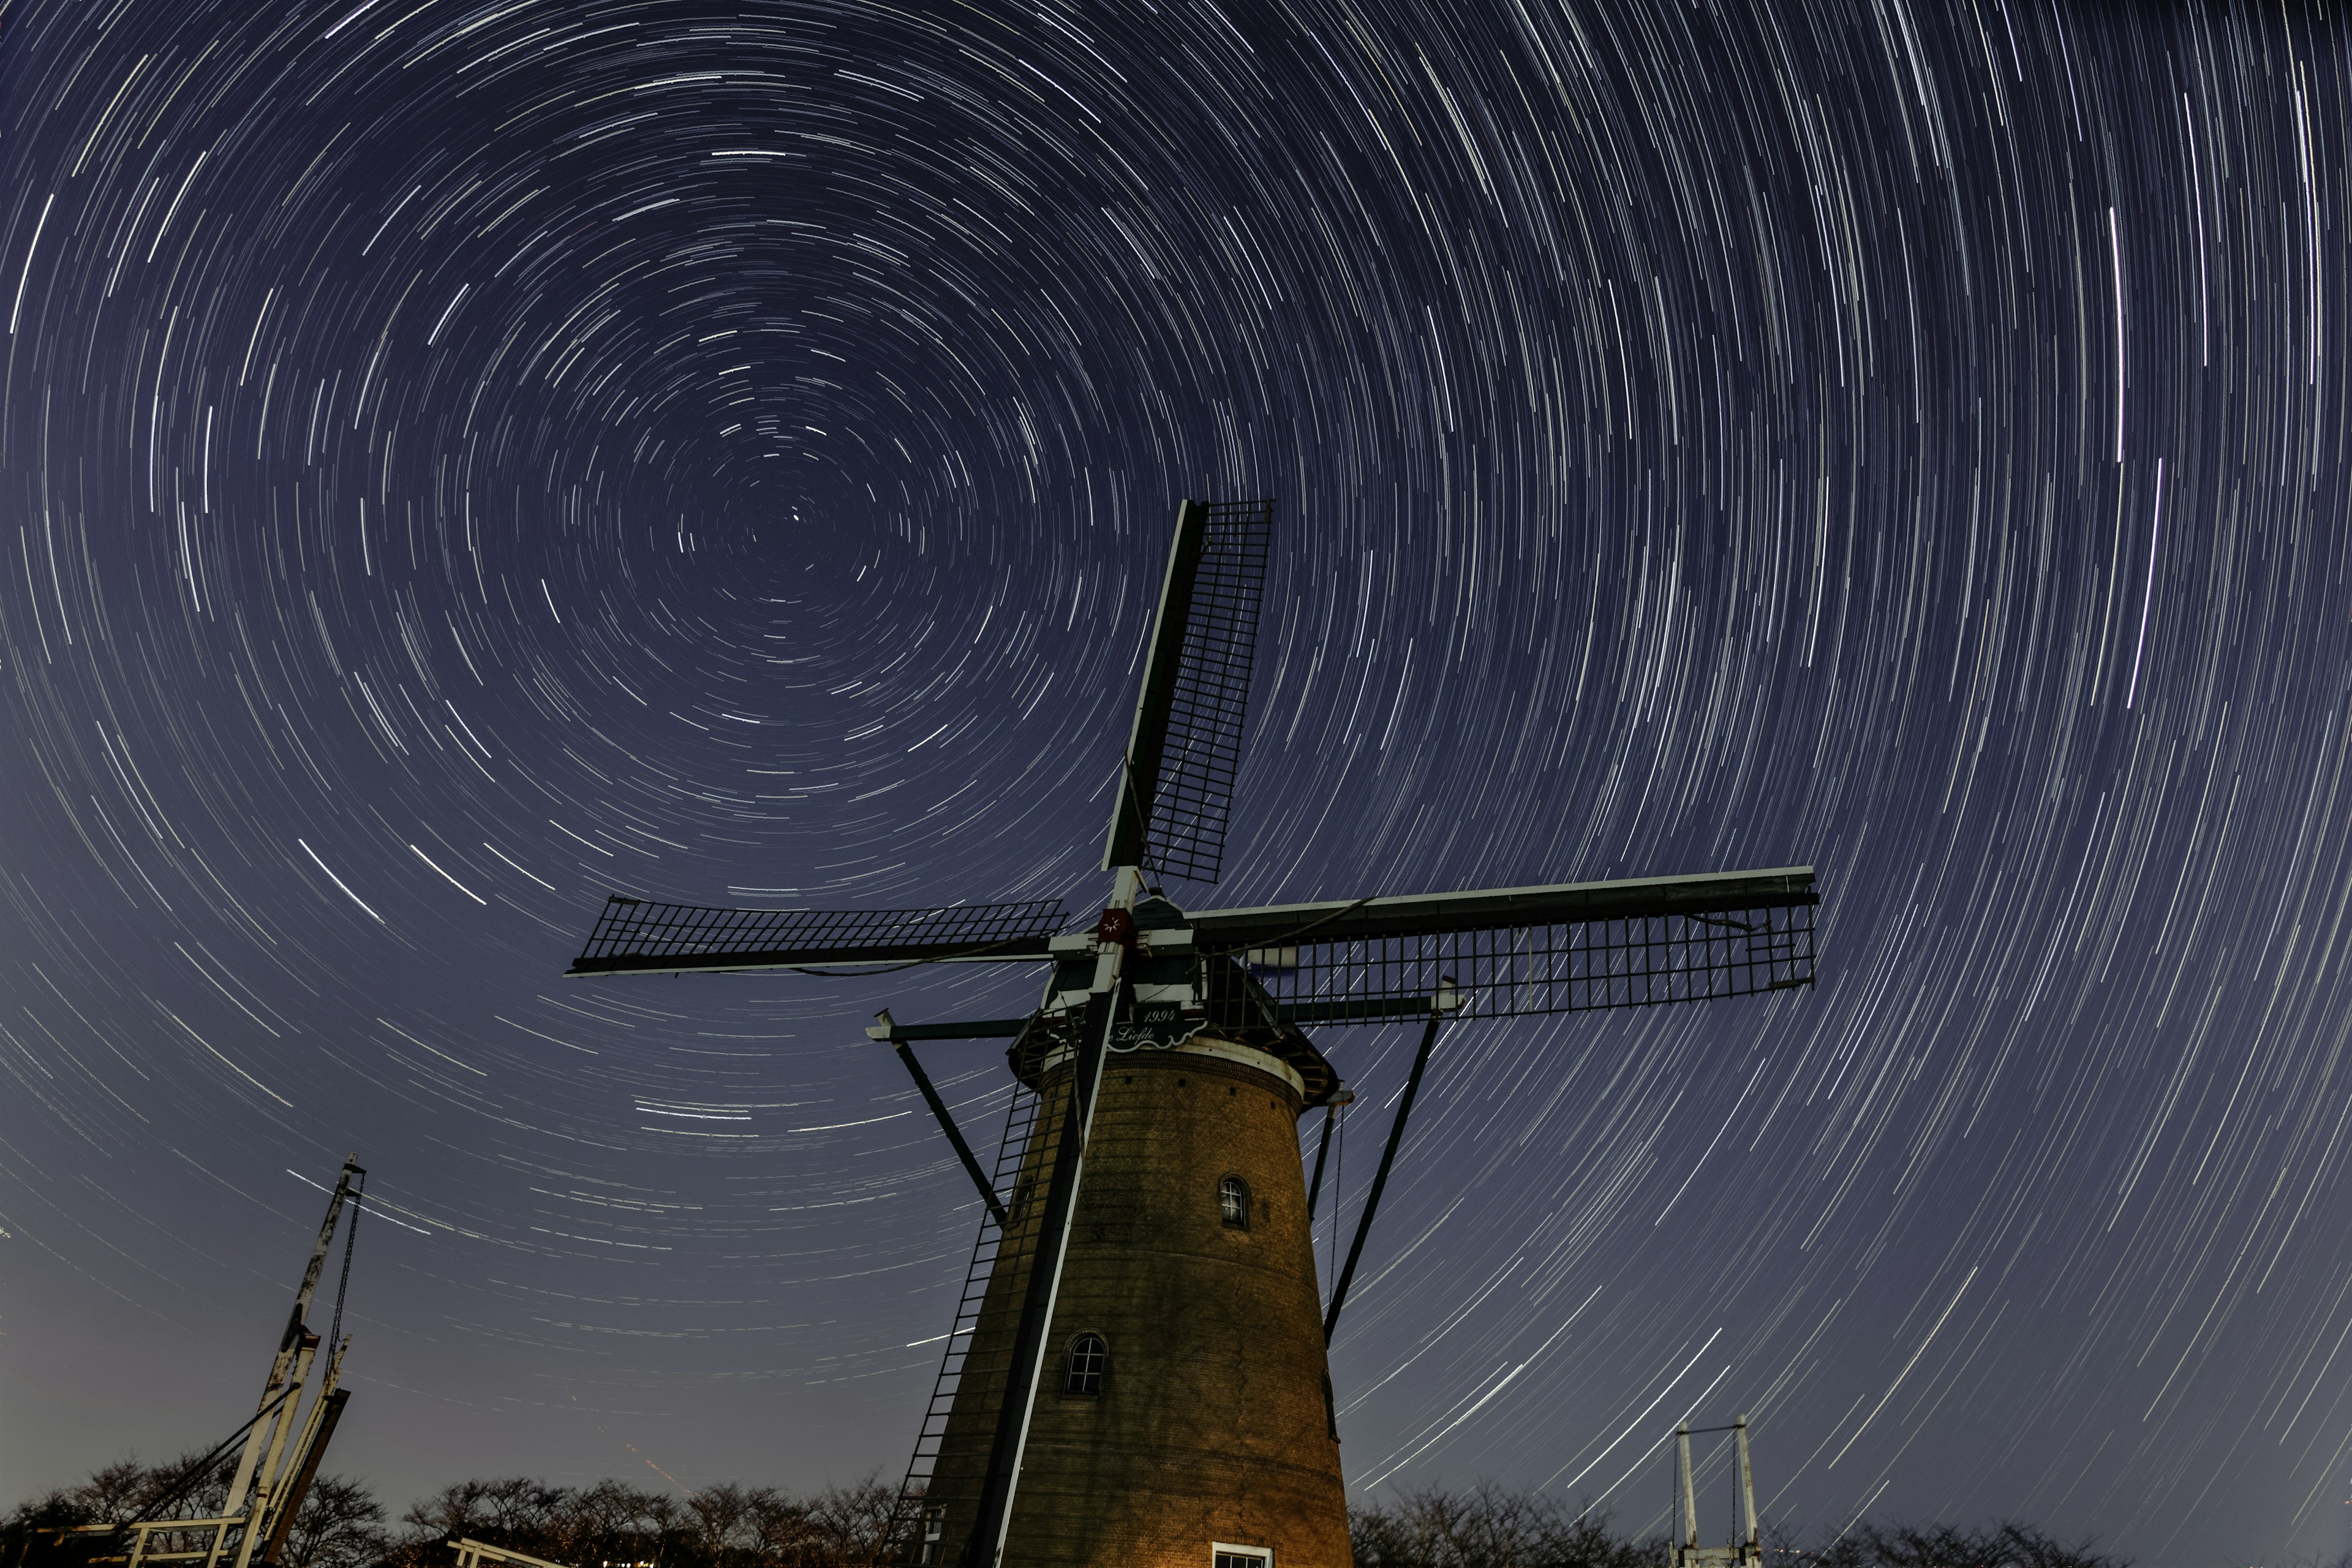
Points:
(1213, 1422)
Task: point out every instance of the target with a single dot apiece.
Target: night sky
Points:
(459, 460)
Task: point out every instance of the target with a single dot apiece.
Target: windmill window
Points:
(1090, 1357)
(1232, 1202)
(1224, 1556)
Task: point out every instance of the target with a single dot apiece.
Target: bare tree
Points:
(515, 1511)
(613, 1524)
(780, 1527)
(340, 1525)
(853, 1522)
(722, 1519)
(1489, 1527)
(599, 1524)
(1938, 1545)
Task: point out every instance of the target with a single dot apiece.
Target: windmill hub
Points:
(1176, 998)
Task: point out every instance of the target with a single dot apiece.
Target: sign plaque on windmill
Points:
(1138, 1373)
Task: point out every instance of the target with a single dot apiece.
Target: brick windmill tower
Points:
(1137, 1373)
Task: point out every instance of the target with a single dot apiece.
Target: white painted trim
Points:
(1199, 1045)
(1248, 1057)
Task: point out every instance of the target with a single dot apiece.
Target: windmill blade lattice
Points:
(1569, 948)
(632, 937)
(1186, 750)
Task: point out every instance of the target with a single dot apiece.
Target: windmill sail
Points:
(1176, 786)
(632, 937)
(1572, 947)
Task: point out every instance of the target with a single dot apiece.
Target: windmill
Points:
(1138, 1372)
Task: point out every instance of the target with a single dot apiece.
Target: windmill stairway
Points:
(993, 1363)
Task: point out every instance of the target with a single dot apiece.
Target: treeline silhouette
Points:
(612, 1524)
(1491, 1527)
(341, 1524)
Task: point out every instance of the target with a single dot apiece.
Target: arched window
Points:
(1090, 1357)
(1232, 1202)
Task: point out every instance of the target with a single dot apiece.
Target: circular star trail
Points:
(461, 460)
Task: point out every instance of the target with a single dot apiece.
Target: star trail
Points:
(464, 459)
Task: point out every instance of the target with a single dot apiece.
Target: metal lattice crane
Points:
(1747, 1549)
(283, 1443)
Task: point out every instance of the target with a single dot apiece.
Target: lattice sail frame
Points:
(634, 936)
(1515, 971)
(1185, 833)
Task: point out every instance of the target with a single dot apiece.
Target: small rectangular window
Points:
(1226, 1556)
